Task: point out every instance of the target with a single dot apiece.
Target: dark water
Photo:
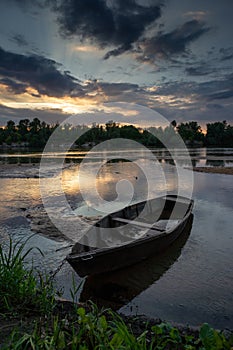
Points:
(192, 282)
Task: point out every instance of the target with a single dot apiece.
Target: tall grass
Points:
(21, 289)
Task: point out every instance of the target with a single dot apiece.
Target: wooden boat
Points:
(115, 289)
(130, 235)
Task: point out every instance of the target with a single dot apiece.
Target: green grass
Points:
(26, 291)
(106, 330)
(22, 290)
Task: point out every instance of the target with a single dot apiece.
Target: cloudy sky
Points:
(63, 57)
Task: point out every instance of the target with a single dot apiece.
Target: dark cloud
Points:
(226, 53)
(13, 86)
(19, 40)
(214, 106)
(198, 100)
(220, 95)
(20, 71)
(116, 52)
(119, 23)
(200, 70)
(204, 91)
(220, 89)
(117, 89)
(165, 45)
(15, 114)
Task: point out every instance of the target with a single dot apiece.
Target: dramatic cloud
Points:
(19, 40)
(222, 94)
(205, 91)
(19, 72)
(119, 23)
(226, 53)
(200, 70)
(221, 89)
(165, 45)
(48, 115)
(117, 89)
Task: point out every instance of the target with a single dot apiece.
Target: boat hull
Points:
(113, 258)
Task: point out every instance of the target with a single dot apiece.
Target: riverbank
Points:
(33, 316)
(215, 170)
(19, 171)
(29, 170)
(71, 325)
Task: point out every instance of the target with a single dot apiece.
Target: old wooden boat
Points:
(115, 289)
(130, 235)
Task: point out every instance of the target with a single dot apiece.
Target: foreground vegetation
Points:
(31, 318)
(36, 133)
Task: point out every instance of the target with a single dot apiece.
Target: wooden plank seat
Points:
(138, 223)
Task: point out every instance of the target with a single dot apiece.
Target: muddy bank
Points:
(41, 223)
(66, 313)
(19, 171)
(28, 171)
(215, 170)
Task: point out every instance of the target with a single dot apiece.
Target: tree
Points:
(35, 125)
(23, 127)
(216, 133)
(190, 132)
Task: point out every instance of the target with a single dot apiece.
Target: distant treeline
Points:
(36, 133)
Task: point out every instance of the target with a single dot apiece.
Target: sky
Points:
(59, 58)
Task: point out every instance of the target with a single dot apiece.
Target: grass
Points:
(26, 292)
(22, 290)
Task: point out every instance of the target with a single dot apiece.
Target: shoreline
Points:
(214, 170)
(66, 313)
(24, 171)
(31, 170)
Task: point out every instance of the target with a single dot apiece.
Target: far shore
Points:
(215, 170)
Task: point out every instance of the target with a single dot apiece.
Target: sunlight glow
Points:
(32, 100)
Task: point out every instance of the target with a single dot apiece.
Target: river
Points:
(192, 282)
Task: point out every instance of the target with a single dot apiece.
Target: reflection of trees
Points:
(195, 152)
(215, 162)
(194, 162)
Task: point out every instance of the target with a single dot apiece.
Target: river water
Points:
(191, 282)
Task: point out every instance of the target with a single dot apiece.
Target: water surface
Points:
(191, 283)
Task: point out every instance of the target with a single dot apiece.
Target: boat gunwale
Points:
(138, 241)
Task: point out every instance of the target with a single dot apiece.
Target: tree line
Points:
(35, 133)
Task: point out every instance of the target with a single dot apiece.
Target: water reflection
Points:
(215, 162)
(116, 289)
(210, 156)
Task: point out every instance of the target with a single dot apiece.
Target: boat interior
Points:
(148, 218)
